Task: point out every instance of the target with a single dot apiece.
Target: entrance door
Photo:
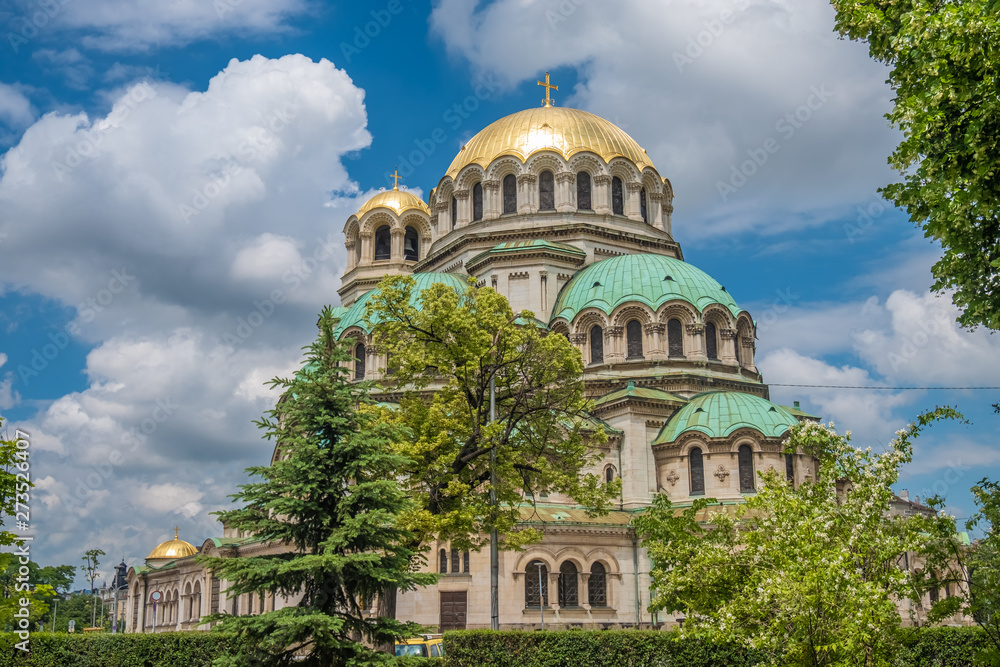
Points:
(454, 606)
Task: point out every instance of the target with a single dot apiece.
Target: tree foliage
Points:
(332, 498)
(945, 73)
(13, 462)
(983, 567)
(810, 574)
(445, 348)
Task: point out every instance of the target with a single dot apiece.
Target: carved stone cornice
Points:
(526, 178)
(565, 177)
(728, 334)
(655, 197)
(654, 328)
(491, 186)
(602, 179)
(461, 194)
(633, 187)
(578, 338)
(614, 331)
(365, 235)
(694, 329)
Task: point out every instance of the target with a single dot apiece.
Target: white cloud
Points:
(16, 111)
(8, 397)
(698, 110)
(184, 331)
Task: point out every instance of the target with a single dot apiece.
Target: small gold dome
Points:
(175, 548)
(561, 129)
(396, 200)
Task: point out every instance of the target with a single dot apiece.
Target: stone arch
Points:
(681, 310)
(502, 166)
(632, 311)
(375, 219)
(588, 318)
(719, 314)
(537, 552)
(469, 176)
(690, 443)
(589, 163)
(606, 558)
(651, 181)
(574, 555)
(609, 472)
(623, 169)
(545, 160)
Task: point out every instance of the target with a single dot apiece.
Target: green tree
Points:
(810, 574)
(91, 563)
(332, 497)
(945, 72)
(470, 474)
(45, 584)
(983, 567)
(14, 480)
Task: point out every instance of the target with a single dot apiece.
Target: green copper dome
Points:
(355, 315)
(649, 279)
(719, 413)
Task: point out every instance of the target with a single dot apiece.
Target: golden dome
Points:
(564, 130)
(395, 199)
(175, 548)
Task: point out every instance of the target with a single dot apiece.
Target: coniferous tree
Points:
(332, 498)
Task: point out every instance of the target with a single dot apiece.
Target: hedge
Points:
(922, 647)
(167, 649)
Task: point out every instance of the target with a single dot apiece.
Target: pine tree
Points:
(331, 496)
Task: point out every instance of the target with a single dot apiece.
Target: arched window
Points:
(617, 196)
(633, 336)
(510, 193)
(642, 205)
(596, 345)
(597, 592)
(411, 245)
(546, 191)
(477, 201)
(609, 474)
(454, 212)
(697, 465)
(454, 561)
(535, 593)
(583, 191)
(745, 457)
(675, 338)
(790, 468)
(443, 562)
(465, 562)
(711, 341)
(933, 596)
(568, 586)
(357, 252)
(359, 361)
(383, 243)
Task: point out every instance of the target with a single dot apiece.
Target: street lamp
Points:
(541, 591)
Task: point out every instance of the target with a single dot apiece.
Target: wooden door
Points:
(454, 608)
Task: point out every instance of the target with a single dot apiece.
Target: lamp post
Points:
(541, 591)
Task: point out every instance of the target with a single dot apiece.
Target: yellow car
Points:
(426, 646)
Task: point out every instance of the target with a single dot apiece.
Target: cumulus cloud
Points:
(679, 80)
(196, 233)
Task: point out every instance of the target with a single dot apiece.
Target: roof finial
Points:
(548, 88)
(395, 179)
(177, 529)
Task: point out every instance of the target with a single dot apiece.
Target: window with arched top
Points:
(568, 585)
(696, 465)
(454, 561)
(790, 468)
(745, 457)
(617, 196)
(675, 338)
(465, 562)
(597, 586)
(711, 340)
(536, 585)
(443, 561)
(546, 191)
(411, 245)
(642, 205)
(454, 211)
(383, 243)
(477, 202)
(609, 474)
(633, 337)
(510, 193)
(359, 361)
(596, 345)
(583, 202)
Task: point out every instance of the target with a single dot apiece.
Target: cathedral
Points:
(566, 215)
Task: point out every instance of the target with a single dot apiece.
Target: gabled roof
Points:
(718, 413)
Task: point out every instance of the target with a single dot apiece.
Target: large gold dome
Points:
(175, 548)
(564, 130)
(395, 199)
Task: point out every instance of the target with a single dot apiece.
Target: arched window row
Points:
(381, 248)
(453, 561)
(568, 585)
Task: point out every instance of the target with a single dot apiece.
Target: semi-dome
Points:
(560, 129)
(396, 200)
(171, 549)
(649, 279)
(716, 414)
(355, 315)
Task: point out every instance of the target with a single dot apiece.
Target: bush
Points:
(941, 647)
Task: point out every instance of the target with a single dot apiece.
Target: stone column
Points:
(366, 248)
(654, 208)
(396, 244)
(613, 350)
(351, 260)
(565, 196)
(584, 590)
(464, 208)
(728, 339)
(553, 598)
(747, 353)
(668, 211)
(526, 193)
(601, 197)
(543, 284)
(492, 205)
(632, 209)
(440, 224)
(695, 348)
(654, 334)
(579, 340)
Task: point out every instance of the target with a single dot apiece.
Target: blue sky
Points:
(165, 168)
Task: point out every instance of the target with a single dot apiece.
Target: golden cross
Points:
(177, 529)
(548, 87)
(395, 176)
